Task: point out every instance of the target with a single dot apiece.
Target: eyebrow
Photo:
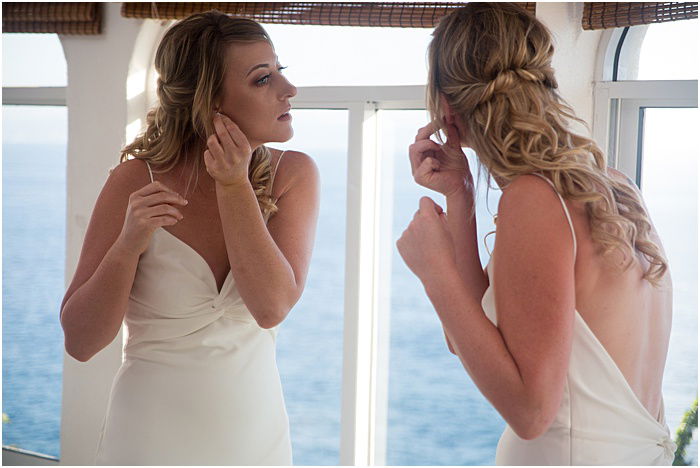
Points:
(261, 65)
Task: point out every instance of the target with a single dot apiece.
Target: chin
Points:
(281, 137)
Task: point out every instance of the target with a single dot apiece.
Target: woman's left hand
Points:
(228, 153)
(426, 244)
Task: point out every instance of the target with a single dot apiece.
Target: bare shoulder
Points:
(297, 164)
(131, 174)
(294, 169)
(123, 180)
(527, 192)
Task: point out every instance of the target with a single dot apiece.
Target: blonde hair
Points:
(190, 62)
(493, 64)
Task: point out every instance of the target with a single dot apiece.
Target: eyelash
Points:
(264, 80)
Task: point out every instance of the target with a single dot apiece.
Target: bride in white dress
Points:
(566, 331)
(201, 245)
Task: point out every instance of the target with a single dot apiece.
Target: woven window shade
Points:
(601, 15)
(61, 18)
(385, 14)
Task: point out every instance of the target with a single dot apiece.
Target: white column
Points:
(97, 118)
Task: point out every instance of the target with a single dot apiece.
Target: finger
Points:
(235, 131)
(424, 133)
(163, 210)
(164, 220)
(163, 197)
(453, 137)
(419, 149)
(208, 158)
(415, 216)
(222, 132)
(443, 218)
(216, 150)
(427, 205)
(153, 187)
(425, 171)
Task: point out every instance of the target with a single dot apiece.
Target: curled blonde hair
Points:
(190, 62)
(493, 64)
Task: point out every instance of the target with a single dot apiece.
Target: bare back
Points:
(629, 316)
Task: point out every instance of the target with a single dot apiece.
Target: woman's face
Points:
(255, 93)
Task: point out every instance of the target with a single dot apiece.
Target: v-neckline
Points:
(198, 255)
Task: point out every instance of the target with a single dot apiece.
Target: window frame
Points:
(619, 99)
(619, 116)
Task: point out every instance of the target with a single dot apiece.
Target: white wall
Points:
(97, 117)
(575, 54)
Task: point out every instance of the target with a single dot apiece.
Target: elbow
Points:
(74, 348)
(271, 317)
(529, 430)
(532, 422)
(77, 353)
(274, 313)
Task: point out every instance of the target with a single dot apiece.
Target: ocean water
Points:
(436, 414)
(33, 253)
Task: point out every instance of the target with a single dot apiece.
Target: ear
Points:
(448, 114)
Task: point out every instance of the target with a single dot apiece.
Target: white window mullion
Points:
(359, 344)
(383, 247)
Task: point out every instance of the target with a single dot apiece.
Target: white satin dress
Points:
(199, 383)
(600, 421)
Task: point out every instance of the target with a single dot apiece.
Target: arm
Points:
(445, 169)
(520, 365)
(268, 263)
(96, 300)
(461, 220)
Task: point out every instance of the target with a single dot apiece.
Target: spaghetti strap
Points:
(566, 210)
(150, 172)
(272, 180)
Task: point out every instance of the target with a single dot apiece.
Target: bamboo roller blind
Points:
(386, 14)
(45, 17)
(601, 15)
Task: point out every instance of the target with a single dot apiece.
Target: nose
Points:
(288, 89)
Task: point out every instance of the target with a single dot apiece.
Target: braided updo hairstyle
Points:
(493, 64)
(190, 62)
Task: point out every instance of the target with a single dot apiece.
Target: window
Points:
(34, 203)
(658, 51)
(32, 60)
(669, 184)
(670, 51)
(309, 351)
(437, 416)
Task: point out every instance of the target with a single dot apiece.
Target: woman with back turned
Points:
(201, 244)
(566, 331)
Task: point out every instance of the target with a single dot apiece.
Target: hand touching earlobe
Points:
(447, 113)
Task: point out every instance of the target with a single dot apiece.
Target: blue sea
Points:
(436, 416)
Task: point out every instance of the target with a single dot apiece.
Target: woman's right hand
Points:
(149, 208)
(442, 168)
